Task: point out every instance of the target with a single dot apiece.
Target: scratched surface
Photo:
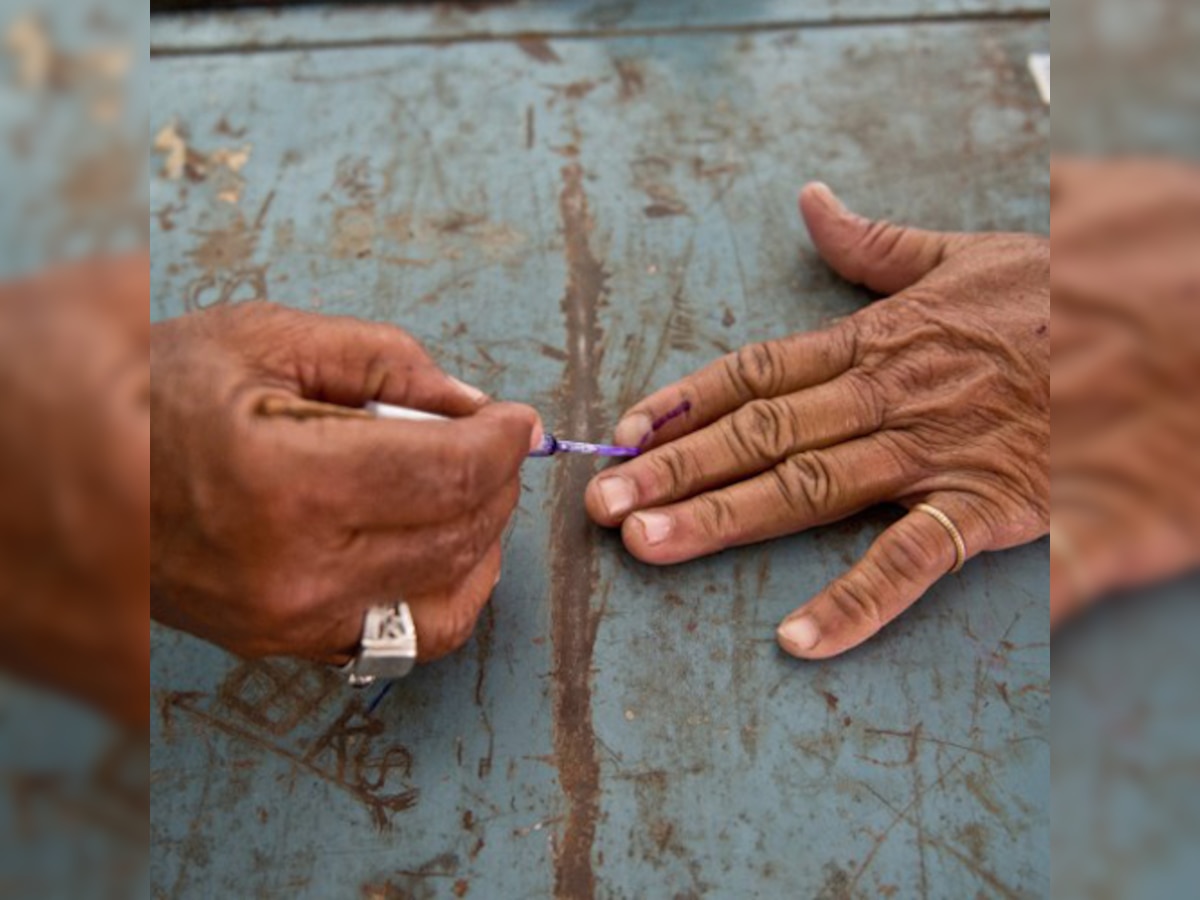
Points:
(432, 22)
(572, 222)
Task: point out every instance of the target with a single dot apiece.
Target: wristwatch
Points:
(388, 648)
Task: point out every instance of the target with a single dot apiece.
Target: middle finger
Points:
(811, 488)
(750, 440)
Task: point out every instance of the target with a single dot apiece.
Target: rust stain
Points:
(419, 883)
(451, 236)
(975, 838)
(572, 551)
(743, 649)
(483, 642)
(225, 249)
(224, 257)
(167, 701)
(986, 875)
(632, 78)
(166, 216)
(975, 784)
(224, 128)
(353, 232)
(550, 352)
(664, 210)
(353, 177)
(538, 49)
(576, 90)
(837, 884)
(650, 174)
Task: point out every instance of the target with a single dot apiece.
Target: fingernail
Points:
(828, 197)
(537, 438)
(632, 430)
(799, 634)
(617, 494)
(656, 527)
(475, 394)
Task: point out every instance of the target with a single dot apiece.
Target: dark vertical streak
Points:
(530, 128)
(483, 640)
(573, 559)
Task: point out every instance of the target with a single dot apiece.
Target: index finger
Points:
(755, 371)
(379, 473)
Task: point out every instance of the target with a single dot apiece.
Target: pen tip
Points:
(548, 447)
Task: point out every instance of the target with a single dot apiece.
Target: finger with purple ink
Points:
(750, 440)
(757, 371)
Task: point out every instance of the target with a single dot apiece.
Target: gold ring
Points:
(960, 546)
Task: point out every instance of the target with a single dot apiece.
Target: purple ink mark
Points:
(682, 409)
(551, 446)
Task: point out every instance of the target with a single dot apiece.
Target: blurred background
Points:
(1126, 368)
(74, 771)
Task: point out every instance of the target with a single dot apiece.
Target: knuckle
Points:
(908, 556)
(880, 239)
(461, 490)
(761, 429)
(670, 470)
(865, 402)
(855, 600)
(756, 369)
(716, 517)
(845, 341)
(463, 548)
(805, 483)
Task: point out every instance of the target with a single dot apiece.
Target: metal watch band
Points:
(388, 648)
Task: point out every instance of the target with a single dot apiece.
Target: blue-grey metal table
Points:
(568, 200)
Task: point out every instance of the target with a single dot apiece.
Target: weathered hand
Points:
(1126, 492)
(278, 521)
(939, 393)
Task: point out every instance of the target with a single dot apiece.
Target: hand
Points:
(278, 520)
(74, 482)
(937, 394)
(1126, 493)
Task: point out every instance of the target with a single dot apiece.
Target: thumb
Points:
(886, 258)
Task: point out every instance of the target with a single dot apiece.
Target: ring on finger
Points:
(960, 546)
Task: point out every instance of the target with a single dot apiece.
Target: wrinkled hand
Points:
(74, 482)
(1126, 493)
(938, 393)
(278, 522)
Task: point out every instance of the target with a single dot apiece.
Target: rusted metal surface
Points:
(257, 28)
(573, 223)
(574, 622)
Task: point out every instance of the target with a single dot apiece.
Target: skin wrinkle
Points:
(292, 578)
(949, 376)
